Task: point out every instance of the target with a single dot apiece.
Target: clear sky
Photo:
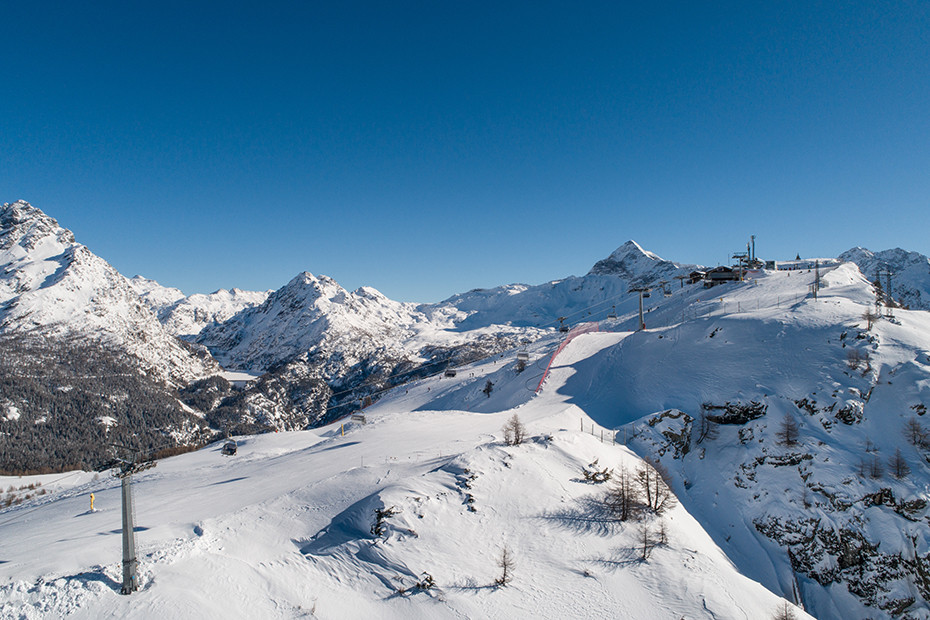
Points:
(427, 148)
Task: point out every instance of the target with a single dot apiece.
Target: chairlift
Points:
(449, 372)
(523, 356)
(229, 448)
(562, 326)
(613, 312)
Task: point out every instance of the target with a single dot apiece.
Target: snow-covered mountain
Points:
(315, 334)
(604, 290)
(307, 313)
(53, 286)
(154, 294)
(317, 344)
(791, 428)
(186, 316)
(638, 266)
(910, 279)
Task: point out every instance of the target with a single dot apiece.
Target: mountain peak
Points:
(25, 225)
(630, 260)
(631, 247)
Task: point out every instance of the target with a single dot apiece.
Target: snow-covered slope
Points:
(910, 280)
(288, 527)
(839, 513)
(186, 317)
(53, 286)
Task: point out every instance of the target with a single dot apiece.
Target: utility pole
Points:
(816, 278)
(889, 300)
(641, 290)
(127, 467)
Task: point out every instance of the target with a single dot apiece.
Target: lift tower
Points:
(643, 291)
(125, 468)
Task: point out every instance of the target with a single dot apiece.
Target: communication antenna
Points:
(126, 466)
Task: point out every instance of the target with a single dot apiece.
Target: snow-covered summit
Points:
(641, 267)
(25, 226)
(910, 280)
(301, 315)
(154, 294)
(186, 317)
(54, 286)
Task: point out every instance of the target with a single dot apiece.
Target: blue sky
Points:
(427, 148)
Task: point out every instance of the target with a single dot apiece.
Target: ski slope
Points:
(284, 528)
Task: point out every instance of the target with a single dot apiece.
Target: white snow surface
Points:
(284, 528)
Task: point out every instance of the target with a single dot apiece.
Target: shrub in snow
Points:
(426, 582)
(654, 490)
(869, 317)
(377, 528)
(898, 466)
(916, 433)
(514, 431)
(788, 432)
(623, 499)
(506, 564)
(705, 428)
(592, 473)
(785, 612)
(646, 543)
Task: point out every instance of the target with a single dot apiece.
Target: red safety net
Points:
(583, 328)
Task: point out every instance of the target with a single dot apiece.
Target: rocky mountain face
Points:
(910, 273)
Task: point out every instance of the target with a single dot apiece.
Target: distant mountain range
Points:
(316, 349)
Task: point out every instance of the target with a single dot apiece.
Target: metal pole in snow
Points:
(130, 580)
